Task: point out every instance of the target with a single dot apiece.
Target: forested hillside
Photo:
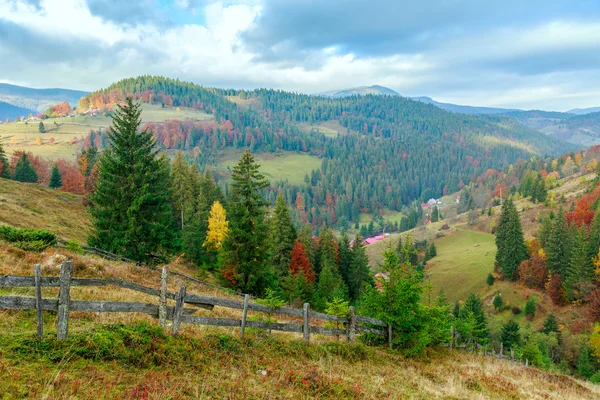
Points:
(387, 153)
(8, 111)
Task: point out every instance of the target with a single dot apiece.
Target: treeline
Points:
(394, 151)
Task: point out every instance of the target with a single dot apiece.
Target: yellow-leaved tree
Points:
(217, 226)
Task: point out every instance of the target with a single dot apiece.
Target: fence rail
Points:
(353, 325)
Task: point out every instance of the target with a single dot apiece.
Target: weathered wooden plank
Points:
(179, 305)
(64, 300)
(390, 335)
(26, 303)
(369, 320)
(327, 331)
(364, 329)
(318, 315)
(244, 315)
(275, 326)
(211, 321)
(162, 300)
(38, 300)
(352, 325)
(306, 322)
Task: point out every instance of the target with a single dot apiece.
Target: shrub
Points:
(73, 245)
(27, 239)
(516, 310)
(498, 302)
(530, 309)
(490, 279)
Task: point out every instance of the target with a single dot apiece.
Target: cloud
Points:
(518, 54)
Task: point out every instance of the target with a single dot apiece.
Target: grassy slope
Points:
(211, 362)
(65, 129)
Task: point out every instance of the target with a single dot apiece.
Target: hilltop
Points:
(359, 91)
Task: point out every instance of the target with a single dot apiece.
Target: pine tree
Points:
(330, 285)
(509, 241)
(585, 369)
(490, 279)
(473, 306)
(593, 243)
(217, 227)
(498, 303)
(345, 257)
(359, 274)
(132, 214)
(41, 127)
(550, 325)
(559, 246)
(55, 178)
(530, 309)
(435, 214)
(181, 189)
(245, 260)
(4, 172)
(510, 334)
(580, 273)
(282, 236)
(327, 251)
(24, 171)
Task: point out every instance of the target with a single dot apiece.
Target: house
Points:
(458, 199)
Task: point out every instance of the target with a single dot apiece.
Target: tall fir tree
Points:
(4, 172)
(132, 213)
(345, 257)
(580, 274)
(559, 246)
(593, 243)
(282, 236)
(473, 310)
(181, 189)
(24, 171)
(509, 241)
(510, 334)
(360, 273)
(245, 262)
(55, 178)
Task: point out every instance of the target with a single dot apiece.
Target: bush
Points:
(73, 245)
(27, 239)
(516, 310)
(490, 279)
(530, 309)
(498, 302)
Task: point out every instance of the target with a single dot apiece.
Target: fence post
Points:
(501, 350)
(179, 304)
(512, 354)
(38, 301)
(306, 326)
(64, 299)
(244, 315)
(527, 362)
(390, 335)
(452, 337)
(352, 325)
(162, 300)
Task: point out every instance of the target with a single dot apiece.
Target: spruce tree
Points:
(181, 189)
(498, 303)
(550, 325)
(132, 214)
(510, 334)
(593, 243)
(509, 241)
(360, 273)
(245, 260)
(282, 236)
(580, 273)
(435, 214)
(329, 286)
(490, 279)
(55, 178)
(474, 307)
(559, 246)
(4, 173)
(24, 171)
(530, 309)
(345, 257)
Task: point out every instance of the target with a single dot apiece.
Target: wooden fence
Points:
(179, 314)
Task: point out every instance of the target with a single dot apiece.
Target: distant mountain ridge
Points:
(583, 111)
(37, 99)
(463, 109)
(359, 91)
(8, 111)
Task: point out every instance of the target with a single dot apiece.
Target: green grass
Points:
(460, 267)
(328, 128)
(279, 166)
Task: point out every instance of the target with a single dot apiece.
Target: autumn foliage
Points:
(582, 214)
(300, 262)
(533, 272)
(556, 291)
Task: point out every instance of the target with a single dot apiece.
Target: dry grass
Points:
(33, 206)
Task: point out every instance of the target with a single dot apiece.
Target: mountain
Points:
(376, 152)
(37, 99)
(462, 109)
(8, 111)
(360, 91)
(581, 111)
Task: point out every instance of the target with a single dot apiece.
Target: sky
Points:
(530, 54)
